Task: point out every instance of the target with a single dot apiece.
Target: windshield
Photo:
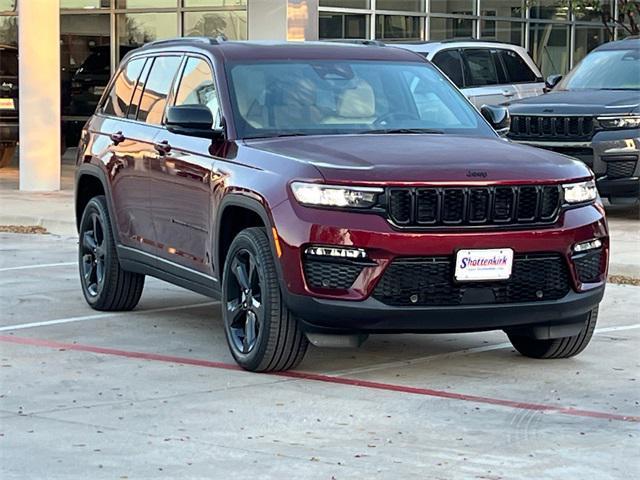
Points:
(334, 97)
(606, 70)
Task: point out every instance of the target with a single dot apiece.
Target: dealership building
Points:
(68, 48)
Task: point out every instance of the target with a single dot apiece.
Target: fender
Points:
(250, 203)
(90, 169)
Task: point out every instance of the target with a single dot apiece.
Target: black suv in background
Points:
(8, 103)
(592, 114)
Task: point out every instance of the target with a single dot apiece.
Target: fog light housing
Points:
(336, 252)
(586, 246)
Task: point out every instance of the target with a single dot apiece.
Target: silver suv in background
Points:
(488, 73)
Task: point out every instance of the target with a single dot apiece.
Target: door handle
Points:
(163, 148)
(117, 138)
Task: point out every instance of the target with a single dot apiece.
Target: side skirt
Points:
(145, 263)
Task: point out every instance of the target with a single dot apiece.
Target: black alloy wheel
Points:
(92, 251)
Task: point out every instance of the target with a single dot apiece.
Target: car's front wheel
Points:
(563, 347)
(262, 333)
(105, 285)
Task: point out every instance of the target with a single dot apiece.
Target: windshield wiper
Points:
(402, 130)
(278, 135)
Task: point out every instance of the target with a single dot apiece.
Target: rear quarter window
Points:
(119, 97)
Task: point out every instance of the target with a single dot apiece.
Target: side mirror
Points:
(192, 120)
(498, 117)
(551, 82)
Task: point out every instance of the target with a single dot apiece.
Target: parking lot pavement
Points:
(154, 393)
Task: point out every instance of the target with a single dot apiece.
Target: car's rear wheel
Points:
(105, 285)
(262, 334)
(6, 155)
(563, 347)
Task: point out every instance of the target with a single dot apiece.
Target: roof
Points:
(433, 46)
(626, 44)
(276, 50)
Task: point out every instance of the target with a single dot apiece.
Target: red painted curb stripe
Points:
(326, 379)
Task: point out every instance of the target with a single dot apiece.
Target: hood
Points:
(579, 102)
(404, 159)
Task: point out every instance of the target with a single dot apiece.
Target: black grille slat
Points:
(589, 266)
(324, 274)
(621, 169)
(456, 206)
(554, 127)
(429, 281)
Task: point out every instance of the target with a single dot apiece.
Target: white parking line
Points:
(42, 265)
(100, 316)
(486, 348)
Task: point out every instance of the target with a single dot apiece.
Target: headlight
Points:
(610, 123)
(580, 192)
(335, 196)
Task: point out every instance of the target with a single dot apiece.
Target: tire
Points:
(6, 155)
(105, 285)
(262, 334)
(563, 347)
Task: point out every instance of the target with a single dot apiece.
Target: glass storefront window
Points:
(586, 39)
(8, 5)
(503, 8)
(455, 7)
(146, 3)
(549, 9)
(211, 24)
(507, 32)
(398, 27)
(401, 5)
(88, 4)
(215, 3)
(447, 28)
(550, 47)
(135, 29)
(588, 13)
(364, 4)
(9, 30)
(343, 25)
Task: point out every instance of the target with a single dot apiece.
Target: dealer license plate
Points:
(7, 104)
(491, 264)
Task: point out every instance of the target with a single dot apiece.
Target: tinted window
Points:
(156, 91)
(197, 86)
(450, 62)
(137, 94)
(517, 69)
(481, 68)
(117, 102)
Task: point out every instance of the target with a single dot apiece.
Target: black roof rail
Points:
(376, 43)
(186, 40)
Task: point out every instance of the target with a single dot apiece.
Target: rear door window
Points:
(137, 94)
(119, 97)
(517, 69)
(450, 62)
(482, 68)
(197, 86)
(157, 88)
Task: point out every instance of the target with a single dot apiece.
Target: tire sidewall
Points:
(270, 299)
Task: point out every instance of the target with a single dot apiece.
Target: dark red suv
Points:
(325, 192)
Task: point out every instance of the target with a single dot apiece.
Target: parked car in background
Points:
(8, 103)
(592, 114)
(325, 192)
(488, 73)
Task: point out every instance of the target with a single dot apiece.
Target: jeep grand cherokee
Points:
(324, 192)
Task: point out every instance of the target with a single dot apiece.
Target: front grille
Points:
(555, 128)
(589, 265)
(623, 167)
(326, 274)
(424, 207)
(429, 281)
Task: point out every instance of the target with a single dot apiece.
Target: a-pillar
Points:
(39, 82)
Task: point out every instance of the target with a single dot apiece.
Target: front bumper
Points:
(613, 155)
(354, 308)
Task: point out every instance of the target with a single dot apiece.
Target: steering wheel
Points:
(382, 119)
